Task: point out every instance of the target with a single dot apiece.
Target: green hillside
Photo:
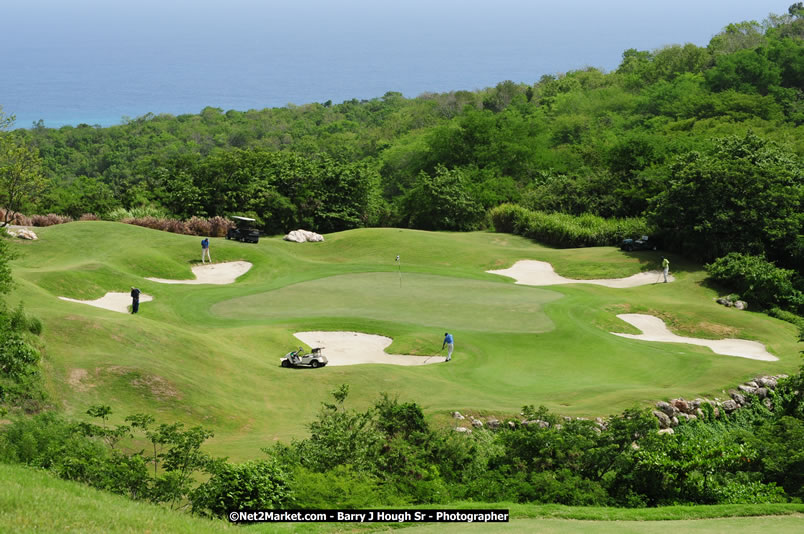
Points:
(209, 354)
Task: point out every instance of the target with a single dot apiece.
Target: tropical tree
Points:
(442, 202)
(743, 195)
(21, 179)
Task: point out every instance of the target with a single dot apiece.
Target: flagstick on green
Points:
(399, 268)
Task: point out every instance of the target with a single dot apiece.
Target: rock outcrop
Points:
(23, 233)
(304, 236)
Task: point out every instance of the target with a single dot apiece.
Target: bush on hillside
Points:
(254, 485)
(20, 377)
(18, 219)
(563, 230)
(50, 219)
(198, 226)
(140, 212)
(758, 281)
(340, 487)
(507, 218)
(219, 226)
(214, 227)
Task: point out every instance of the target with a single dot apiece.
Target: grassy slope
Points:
(34, 501)
(209, 354)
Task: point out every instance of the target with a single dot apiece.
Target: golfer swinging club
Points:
(449, 344)
(205, 250)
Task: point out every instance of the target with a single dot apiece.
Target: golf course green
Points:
(209, 354)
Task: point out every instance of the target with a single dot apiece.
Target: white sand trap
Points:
(118, 302)
(212, 273)
(352, 348)
(654, 329)
(541, 273)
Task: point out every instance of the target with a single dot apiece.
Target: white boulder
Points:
(23, 233)
(303, 236)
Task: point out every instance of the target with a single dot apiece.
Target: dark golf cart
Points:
(297, 358)
(244, 230)
(644, 243)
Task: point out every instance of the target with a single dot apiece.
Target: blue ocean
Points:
(102, 62)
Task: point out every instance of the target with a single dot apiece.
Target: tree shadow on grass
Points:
(650, 260)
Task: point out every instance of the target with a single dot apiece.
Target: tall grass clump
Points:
(49, 220)
(563, 230)
(198, 226)
(218, 226)
(140, 212)
(17, 219)
(214, 227)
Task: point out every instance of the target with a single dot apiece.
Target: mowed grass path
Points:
(209, 354)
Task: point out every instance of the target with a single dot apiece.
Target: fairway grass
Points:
(210, 354)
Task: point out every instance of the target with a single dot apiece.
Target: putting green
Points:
(420, 299)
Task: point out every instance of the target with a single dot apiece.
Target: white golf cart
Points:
(297, 358)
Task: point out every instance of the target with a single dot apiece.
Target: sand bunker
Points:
(212, 273)
(352, 348)
(541, 273)
(654, 329)
(118, 302)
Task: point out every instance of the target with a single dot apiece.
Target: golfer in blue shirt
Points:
(449, 344)
(205, 250)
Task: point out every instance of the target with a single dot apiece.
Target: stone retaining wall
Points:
(669, 414)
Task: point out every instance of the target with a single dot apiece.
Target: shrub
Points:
(18, 219)
(164, 225)
(49, 220)
(340, 487)
(140, 212)
(563, 230)
(748, 493)
(218, 226)
(197, 226)
(175, 226)
(507, 217)
(89, 217)
(41, 441)
(565, 487)
(758, 281)
(254, 485)
(214, 227)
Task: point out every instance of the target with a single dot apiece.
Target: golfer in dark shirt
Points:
(135, 299)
